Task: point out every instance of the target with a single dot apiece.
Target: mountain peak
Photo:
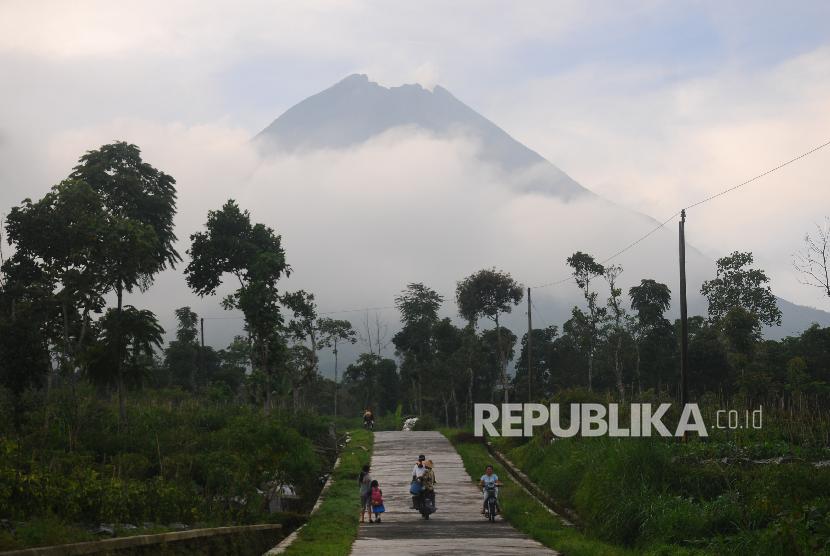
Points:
(355, 109)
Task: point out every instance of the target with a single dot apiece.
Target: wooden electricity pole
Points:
(202, 351)
(684, 322)
(529, 352)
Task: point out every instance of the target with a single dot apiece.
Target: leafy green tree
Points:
(253, 254)
(303, 328)
(418, 305)
(738, 285)
(543, 351)
(487, 294)
(183, 355)
(131, 334)
(651, 300)
(495, 344)
(374, 382)
(585, 269)
(333, 332)
(138, 243)
(448, 374)
(740, 331)
(59, 239)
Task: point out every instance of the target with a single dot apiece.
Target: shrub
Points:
(425, 423)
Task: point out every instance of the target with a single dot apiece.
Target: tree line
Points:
(107, 230)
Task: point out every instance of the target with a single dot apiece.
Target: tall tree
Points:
(585, 269)
(253, 255)
(132, 335)
(651, 300)
(375, 380)
(418, 305)
(303, 327)
(542, 353)
(738, 285)
(489, 293)
(140, 204)
(59, 238)
(333, 332)
(183, 355)
(618, 320)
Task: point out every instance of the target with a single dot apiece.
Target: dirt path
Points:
(456, 528)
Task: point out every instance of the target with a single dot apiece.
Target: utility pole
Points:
(684, 322)
(202, 351)
(335, 377)
(529, 352)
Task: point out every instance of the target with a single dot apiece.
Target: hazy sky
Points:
(650, 104)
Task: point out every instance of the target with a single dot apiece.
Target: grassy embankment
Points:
(524, 512)
(332, 530)
(658, 495)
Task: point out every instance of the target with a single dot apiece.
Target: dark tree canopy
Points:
(487, 293)
(134, 191)
(651, 300)
(739, 285)
(253, 255)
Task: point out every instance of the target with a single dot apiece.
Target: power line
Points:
(358, 310)
(607, 259)
(539, 314)
(698, 203)
(759, 176)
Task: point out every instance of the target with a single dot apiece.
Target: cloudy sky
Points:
(652, 105)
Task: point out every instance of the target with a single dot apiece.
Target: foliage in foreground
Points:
(333, 529)
(180, 459)
(648, 493)
(525, 513)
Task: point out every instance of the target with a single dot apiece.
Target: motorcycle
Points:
(369, 424)
(426, 503)
(490, 502)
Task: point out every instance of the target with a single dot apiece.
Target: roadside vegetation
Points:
(522, 510)
(718, 496)
(183, 462)
(333, 528)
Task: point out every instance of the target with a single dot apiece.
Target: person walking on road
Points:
(364, 480)
(377, 501)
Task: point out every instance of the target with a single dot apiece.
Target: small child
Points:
(377, 501)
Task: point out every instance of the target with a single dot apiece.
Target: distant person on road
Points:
(377, 501)
(428, 478)
(364, 480)
(369, 419)
(417, 473)
(428, 484)
(419, 468)
(489, 479)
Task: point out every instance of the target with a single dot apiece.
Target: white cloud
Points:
(657, 148)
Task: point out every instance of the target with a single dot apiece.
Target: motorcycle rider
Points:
(428, 483)
(369, 418)
(489, 479)
(417, 473)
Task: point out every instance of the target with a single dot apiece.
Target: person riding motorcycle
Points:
(489, 479)
(368, 419)
(418, 472)
(427, 496)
